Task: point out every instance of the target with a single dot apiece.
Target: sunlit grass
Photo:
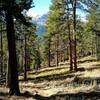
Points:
(46, 73)
(65, 82)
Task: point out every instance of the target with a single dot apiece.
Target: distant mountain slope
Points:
(40, 21)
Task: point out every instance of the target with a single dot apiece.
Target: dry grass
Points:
(65, 85)
(58, 80)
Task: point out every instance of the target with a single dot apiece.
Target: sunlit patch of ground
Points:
(85, 81)
(56, 81)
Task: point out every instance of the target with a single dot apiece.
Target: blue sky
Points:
(41, 7)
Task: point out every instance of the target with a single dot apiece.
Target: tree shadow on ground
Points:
(3, 94)
(77, 96)
(94, 95)
(86, 60)
(46, 70)
(51, 77)
(23, 96)
(95, 66)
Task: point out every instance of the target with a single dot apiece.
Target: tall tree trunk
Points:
(75, 41)
(12, 67)
(49, 56)
(1, 52)
(57, 61)
(57, 52)
(25, 67)
(22, 58)
(22, 62)
(61, 56)
(28, 59)
(70, 46)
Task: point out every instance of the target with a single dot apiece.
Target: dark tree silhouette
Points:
(13, 9)
(13, 77)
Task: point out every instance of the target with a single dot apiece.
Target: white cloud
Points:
(35, 15)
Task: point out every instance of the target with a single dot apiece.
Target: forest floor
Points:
(58, 83)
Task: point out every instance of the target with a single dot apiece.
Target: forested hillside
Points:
(54, 57)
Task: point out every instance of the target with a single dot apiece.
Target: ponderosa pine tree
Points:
(47, 49)
(71, 8)
(55, 24)
(93, 27)
(12, 9)
(25, 37)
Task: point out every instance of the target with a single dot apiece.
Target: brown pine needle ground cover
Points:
(57, 83)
